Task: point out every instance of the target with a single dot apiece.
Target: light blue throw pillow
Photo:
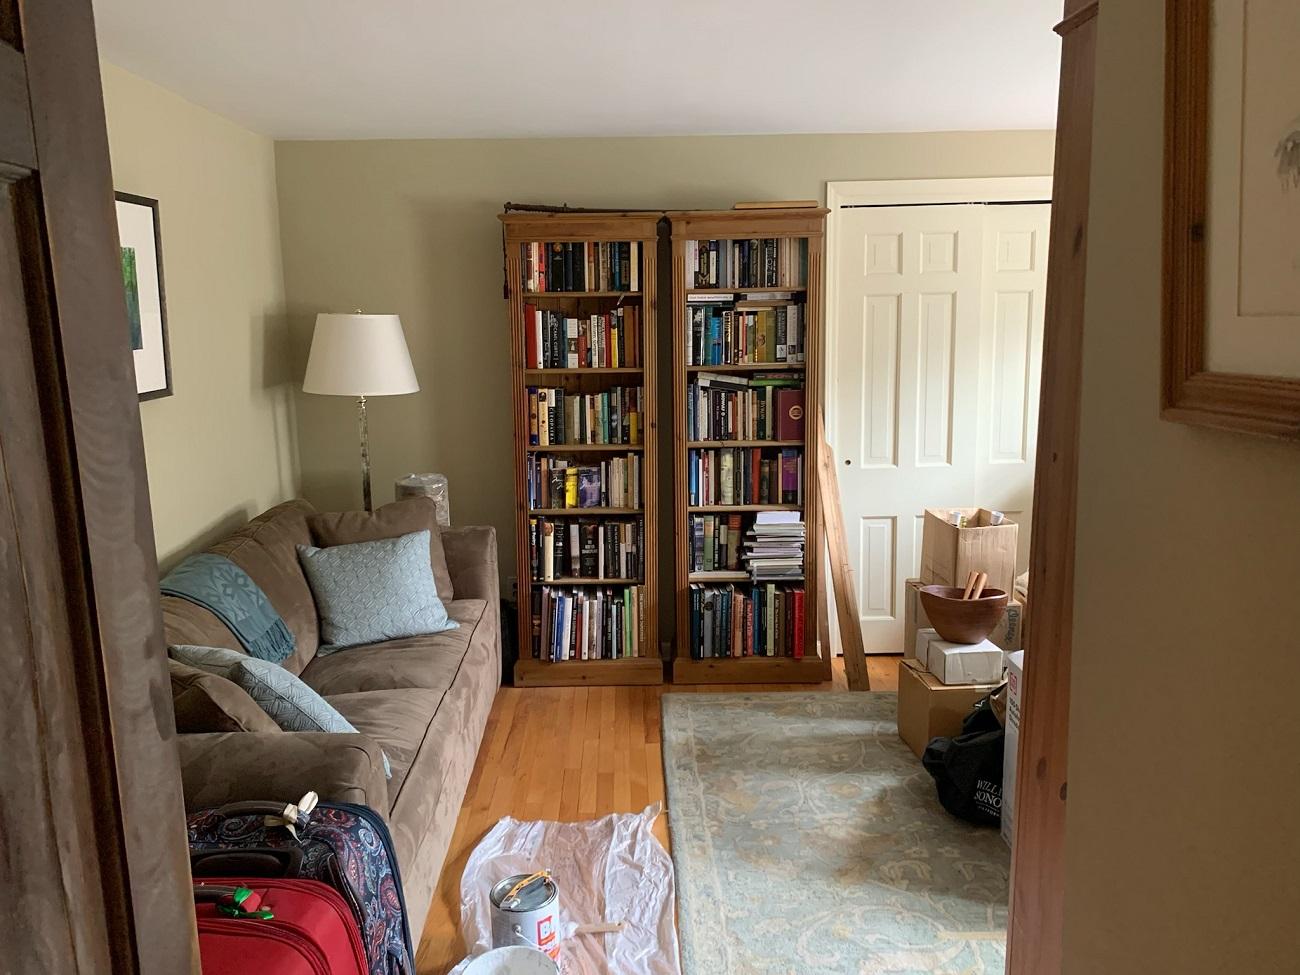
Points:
(371, 591)
(290, 703)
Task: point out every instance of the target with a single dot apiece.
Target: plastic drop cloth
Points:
(610, 869)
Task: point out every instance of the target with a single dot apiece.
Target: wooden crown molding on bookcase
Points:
(576, 226)
(800, 222)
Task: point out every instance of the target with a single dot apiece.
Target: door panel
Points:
(938, 331)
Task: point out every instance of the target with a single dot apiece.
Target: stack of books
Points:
(767, 327)
(760, 262)
(584, 265)
(588, 624)
(555, 482)
(746, 621)
(773, 549)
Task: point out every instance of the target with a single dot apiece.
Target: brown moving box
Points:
(914, 617)
(949, 554)
(928, 709)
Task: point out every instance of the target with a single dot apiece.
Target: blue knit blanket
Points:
(218, 585)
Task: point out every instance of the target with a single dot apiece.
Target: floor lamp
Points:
(362, 356)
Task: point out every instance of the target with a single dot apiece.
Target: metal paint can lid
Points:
(537, 894)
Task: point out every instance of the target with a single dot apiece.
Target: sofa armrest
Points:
(472, 562)
(281, 766)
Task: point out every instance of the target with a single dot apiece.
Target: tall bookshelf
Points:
(723, 261)
(567, 285)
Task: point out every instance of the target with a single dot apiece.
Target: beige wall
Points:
(410, 227)
(222, 448)
(1183, 851)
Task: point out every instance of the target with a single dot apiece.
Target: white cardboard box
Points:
(965, 663)
(1015, 678)
(919, 650)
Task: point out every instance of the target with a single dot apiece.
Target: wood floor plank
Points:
(571, 754)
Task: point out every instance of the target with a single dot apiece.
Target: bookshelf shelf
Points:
(532, 295)
(716, 444)
(791, 253)
(575, 448)
(582, 512)
(593, 247)
(752, 367)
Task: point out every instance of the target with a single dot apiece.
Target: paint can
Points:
(526, 911)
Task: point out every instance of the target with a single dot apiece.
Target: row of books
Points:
(588, 624)
(715, 543)
(746, 621)
(745, 475)
(557, 417)
(607, 340)
(586, 549)
(744, 332)
(585, 265)
(555, 482)
(760, 262)
(774, 546)
(764, 406)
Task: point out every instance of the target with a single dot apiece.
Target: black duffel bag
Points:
(968, 769)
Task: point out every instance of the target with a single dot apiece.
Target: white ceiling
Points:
(360, 69)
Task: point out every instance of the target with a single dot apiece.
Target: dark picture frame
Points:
(1192, 392)
(140, 242)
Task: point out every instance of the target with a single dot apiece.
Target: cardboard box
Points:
(914, 615)
(949, 554)
(928, 709)
(1009, 634)
(1015, 680)
(921, 646)
(965, 663)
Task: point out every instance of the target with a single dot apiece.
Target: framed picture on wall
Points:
(1231, 288)
(146, 306)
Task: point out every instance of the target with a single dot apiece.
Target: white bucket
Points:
(514, 960)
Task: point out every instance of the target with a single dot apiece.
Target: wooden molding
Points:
(1189, 392)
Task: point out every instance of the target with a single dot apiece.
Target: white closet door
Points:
(937, 344)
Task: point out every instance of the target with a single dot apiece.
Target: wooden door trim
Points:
(113, 878)
(1037, 915)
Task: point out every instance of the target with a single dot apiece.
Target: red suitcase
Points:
(311, 931)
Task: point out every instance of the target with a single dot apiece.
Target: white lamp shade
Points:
(359, 355)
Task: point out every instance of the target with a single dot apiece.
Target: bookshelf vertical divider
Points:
(591, 228)
(807, 224)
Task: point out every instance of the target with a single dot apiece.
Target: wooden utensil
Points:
(970, 584)
(980, 583)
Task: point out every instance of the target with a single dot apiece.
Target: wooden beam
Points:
(846, 600)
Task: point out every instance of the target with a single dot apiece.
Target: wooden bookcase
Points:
(724, 226)
(521, 230)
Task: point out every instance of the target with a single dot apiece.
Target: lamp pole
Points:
(363, 428)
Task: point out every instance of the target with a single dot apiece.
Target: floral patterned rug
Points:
(807, 838)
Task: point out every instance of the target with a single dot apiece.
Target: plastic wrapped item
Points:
(426, 486)
(608, 870)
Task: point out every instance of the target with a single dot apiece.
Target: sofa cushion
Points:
(427, 662)
(267, 549)
(371, 591)
(205, 702)
(389, 521)
(396, 720)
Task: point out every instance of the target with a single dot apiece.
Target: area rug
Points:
(807, 838)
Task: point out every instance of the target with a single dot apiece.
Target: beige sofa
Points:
(423, 700)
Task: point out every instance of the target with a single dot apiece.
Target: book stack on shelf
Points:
(774, 547)
(582, 311)
(747, 304)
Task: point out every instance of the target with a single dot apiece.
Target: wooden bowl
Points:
(962, 620)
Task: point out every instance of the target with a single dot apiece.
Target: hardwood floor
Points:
(571, 753)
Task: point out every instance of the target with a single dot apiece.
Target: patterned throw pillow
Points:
(291, 704)
(372, 591)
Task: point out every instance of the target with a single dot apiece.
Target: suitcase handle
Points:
(236, 902)
(250, 861)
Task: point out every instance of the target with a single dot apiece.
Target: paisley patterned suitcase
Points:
(342, 844)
